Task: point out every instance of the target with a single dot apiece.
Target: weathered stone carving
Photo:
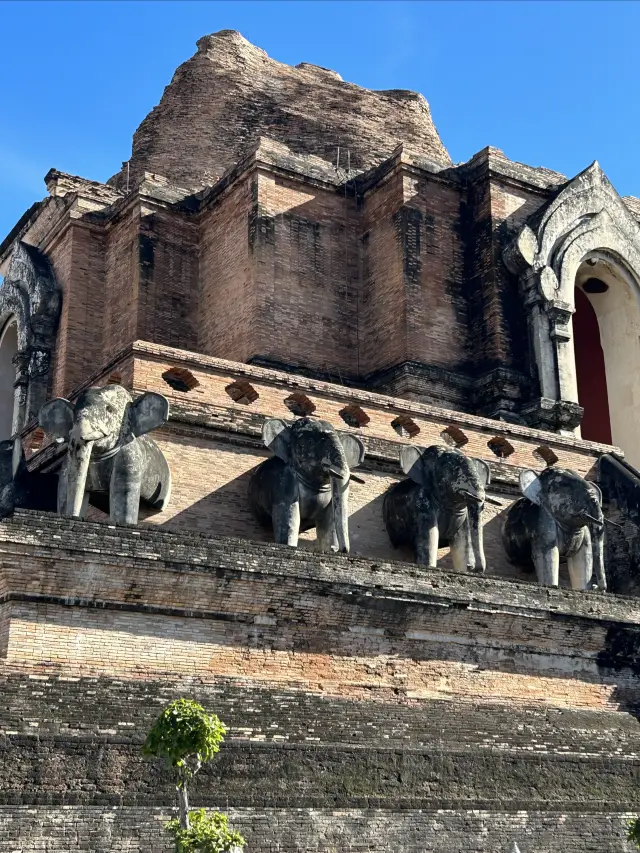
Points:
(21, 488)
(306, 483)
(560, 515)
(108, 452)
(30, 294)
(440, 503)
(587, 216)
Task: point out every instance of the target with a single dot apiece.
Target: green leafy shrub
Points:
(205, 834)
(634, 832)
(185, 736)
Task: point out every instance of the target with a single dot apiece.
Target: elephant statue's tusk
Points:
(478, 500)
(492, 501)
(596, 520)
(338, 475)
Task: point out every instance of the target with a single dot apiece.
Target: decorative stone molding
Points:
(586, 216)
(31, 296)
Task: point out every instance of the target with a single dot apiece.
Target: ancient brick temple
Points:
(280, 244)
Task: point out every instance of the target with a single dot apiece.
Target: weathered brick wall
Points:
(139, 830)
(382, 315)
(122, 283)
(168, 308)
(340, 625)
(369, 706)
(230, 93)
(305, 253)
(435, 287)
(78, 262)
(226, 315)
(394, 278)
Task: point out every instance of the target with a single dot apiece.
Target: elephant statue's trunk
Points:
(340, 501)
(78, 457)
(338, 469)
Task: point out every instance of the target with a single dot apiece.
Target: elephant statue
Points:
(560, 515)
(109, 458)
(21, 488)
(441, 503)
(306, 483)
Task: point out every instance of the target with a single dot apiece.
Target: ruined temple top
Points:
(230, 93)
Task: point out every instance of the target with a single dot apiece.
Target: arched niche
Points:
(591, 374)
(30, 302)
(8, 350)
(613, 295)
(585, 231)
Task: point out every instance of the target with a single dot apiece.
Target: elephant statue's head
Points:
(321, 458)
(317, 453)
(456, 479)
(572, 502)
(101, 421)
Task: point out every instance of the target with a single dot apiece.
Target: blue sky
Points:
(550, 83)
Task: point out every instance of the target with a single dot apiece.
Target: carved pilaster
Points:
(30, 297)
(21, 389)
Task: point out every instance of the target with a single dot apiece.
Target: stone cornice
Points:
(142, 349)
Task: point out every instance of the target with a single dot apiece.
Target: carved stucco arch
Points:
(585, 218)
(30, 296)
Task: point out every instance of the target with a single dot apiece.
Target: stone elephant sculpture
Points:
(441, 503)
(306, 483)
(109, 456)
(21, 488)
(560, 515)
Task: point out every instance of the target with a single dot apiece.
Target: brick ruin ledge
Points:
(230, 93)
(236, 594)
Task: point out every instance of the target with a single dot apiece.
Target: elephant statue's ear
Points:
(353, 449)
(531, 487)
(482, 469)
(56, 418)
(596, 491)
(276, 435)
(411, 462)
(148, 412)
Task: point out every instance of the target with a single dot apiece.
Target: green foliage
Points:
(183, 732)
(634, 832)
(205, 834)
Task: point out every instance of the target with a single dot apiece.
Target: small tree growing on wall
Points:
(634, 832)
(186, 737)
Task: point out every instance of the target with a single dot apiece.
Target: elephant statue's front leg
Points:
(325, 529)
(286, 523)
(124, 485)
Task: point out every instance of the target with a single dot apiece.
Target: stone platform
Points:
(371, 705)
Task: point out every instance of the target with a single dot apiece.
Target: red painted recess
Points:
(590, 372)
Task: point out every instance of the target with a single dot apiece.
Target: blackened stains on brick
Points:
(261, 228)
(146, 256)
(621, 650)
(408, 223)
